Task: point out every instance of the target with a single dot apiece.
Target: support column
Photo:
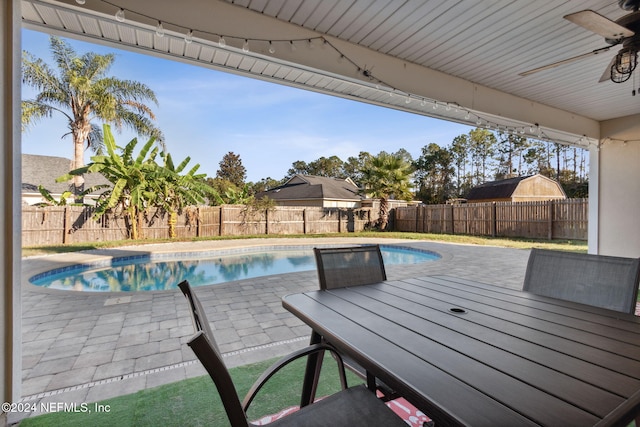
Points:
(10, 167)
(593, 231)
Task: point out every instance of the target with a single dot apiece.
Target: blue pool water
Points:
(142, 273)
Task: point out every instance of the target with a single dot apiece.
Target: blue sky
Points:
(205, 113)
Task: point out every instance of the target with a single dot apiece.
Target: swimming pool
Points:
(164, 271)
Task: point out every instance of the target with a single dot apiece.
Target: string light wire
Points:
(468, 115)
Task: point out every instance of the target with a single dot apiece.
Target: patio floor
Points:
(83, 347)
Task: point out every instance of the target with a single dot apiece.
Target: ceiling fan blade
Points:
(607, 72)
(599, 24)
(566, 61)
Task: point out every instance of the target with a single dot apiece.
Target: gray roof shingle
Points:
(314, 187)
(43, 170)
(501, 189)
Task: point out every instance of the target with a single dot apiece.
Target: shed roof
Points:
(501, 189)
(315, 187)
(43, 170)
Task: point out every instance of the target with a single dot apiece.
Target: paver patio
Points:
(83, 347)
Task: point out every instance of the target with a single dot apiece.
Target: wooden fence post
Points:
(453, 224)
(550, 221)
(266, 221)
(339, 220)
(427, 216)
(198, 225)
(221, 230)
(494, 219)
(65, 226)
(304, 221)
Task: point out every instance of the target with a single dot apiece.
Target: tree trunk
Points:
(558, 162)
(173, 219)
(133, 217)
(80, 135)
(383, 220)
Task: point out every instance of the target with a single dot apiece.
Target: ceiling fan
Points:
(624, 31)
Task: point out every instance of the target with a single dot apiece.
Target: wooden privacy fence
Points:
(554, 219)
(55, 225)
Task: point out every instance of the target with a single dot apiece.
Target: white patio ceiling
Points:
(469, 53)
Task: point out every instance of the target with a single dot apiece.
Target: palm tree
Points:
(81, 91)
(386, 176)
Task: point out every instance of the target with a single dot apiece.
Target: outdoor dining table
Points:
(469, 353)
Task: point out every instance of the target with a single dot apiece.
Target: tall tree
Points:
(265, 184)
(536, 159)
(82, 92)
(354, 165)
(324, 166)
(561, 158)
(298, 167)
(433, 174)
(386, 176)
(327, 166)
(482, 143)
(509, 150)
(404, 155)
(460, 154)
(232, 170)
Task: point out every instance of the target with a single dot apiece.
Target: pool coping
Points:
(42, 264)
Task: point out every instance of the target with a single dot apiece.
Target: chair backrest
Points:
(349, 266)
(204, 346)
(597, 280)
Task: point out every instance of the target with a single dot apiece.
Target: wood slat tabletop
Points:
(468, 353)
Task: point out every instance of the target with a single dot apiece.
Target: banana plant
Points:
(175, 191)
(130, 193)
(49, 200)
(139, 182)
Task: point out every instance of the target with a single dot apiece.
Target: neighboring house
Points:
(319, 191)
(43, 170)
(520, 189)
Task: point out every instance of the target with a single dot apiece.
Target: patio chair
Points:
(352, 266)
(349, 266)
(597, 280)
(356, 406)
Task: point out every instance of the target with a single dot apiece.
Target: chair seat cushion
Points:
(353, 407)
(412, 416)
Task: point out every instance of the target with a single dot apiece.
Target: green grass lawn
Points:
(566, 245)
(195, 402)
